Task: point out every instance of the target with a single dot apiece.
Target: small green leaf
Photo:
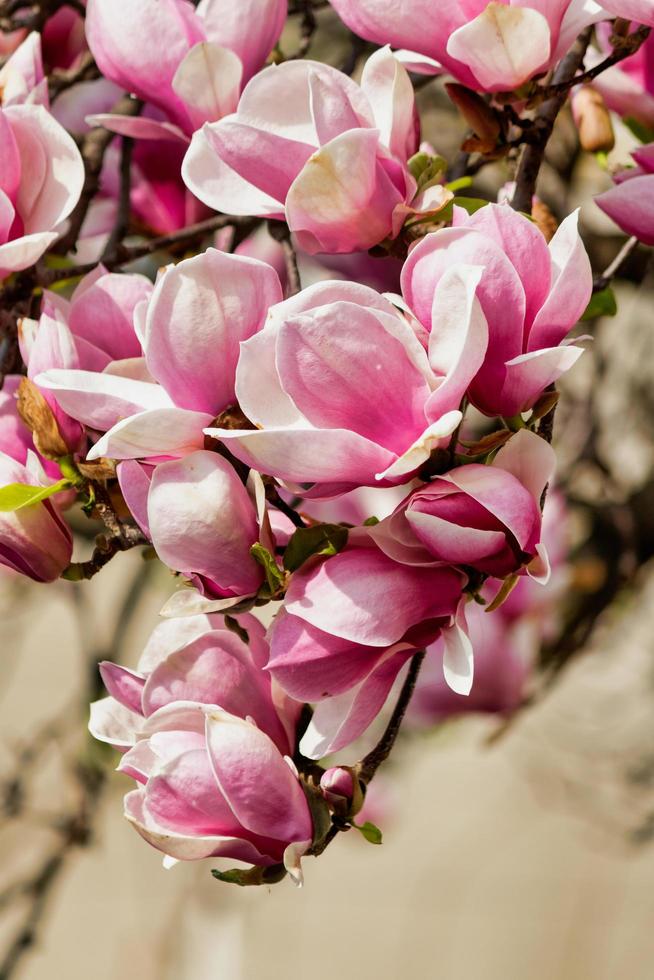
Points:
(458, 185)
(233, 624)
(470, 204)
(602, 303)
(251, 876)
(642, 132)
(370, 521)
(274, 575)
(368, 830)
(15, 496)
(319, 539)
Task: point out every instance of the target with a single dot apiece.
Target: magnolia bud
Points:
(593, 120)
(483, 120)
(341, 789)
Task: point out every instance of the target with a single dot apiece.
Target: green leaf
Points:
(274, 576)
(320, 539)
(15, 496)
(458, 185)
(370, 521)
(251, 876)
(368, 830)
(602, 303)
(642, 132)
(233, 624)
(470, 204)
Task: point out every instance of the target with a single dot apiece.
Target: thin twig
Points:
(121, 223)
(601, 282)
(371, 762)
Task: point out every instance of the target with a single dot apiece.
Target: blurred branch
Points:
(74, 829)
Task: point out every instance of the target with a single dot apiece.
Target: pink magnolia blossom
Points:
(22, 78)
(631, 202)
(202, 522)
(337, 786)
(531, 294)
(94, 332)
(195, 659)
(484, 517)
(196, 60)
(34, 540)
(310, 145)
(212, 784)
(348, 626)
(492, 46)
(190, 331)
(41, 177)
(343, 393)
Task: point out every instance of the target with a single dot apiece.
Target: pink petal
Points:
(201, 309)
(158, 432)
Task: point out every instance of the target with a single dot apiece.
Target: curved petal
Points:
(159, 432)
(100, 400)
(200, 311)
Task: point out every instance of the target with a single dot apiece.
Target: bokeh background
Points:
(517, 847)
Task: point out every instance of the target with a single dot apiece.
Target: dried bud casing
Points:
(482, 119)
(39, 419)
(593, 120)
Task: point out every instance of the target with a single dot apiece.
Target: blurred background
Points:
(517, 839)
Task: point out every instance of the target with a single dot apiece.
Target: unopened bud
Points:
(482, 119)
(593, 120)
(342, 791)
(544, 219)
(39, 419)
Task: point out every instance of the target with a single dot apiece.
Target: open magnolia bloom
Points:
(192, 69)
(190, 331)
(495, 46)
(212, 784)
(531, 294)
(41, 178)
(482, 517)
(343, 393)
(338, 641)
(310, 145)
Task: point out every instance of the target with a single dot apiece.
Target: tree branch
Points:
(532, 154)
(371, 763)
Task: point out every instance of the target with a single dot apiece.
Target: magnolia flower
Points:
(212, 784)
(341, 390)
(203, 523)
(41, 178)
(631, 202)
(34, 540)
(194, 65)
(94, 331)
(310, 145)
(190, 331)
(492, 46)
(348, 626)
(484, 517)
(195, 659)
(531, 294)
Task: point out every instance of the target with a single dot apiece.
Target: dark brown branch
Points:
(94, 147)
(121, 224)
(601, 282)
(62, 79)
(371, 763)
(280, 231)
(532, 154)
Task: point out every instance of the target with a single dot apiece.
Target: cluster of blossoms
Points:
(372, 464)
